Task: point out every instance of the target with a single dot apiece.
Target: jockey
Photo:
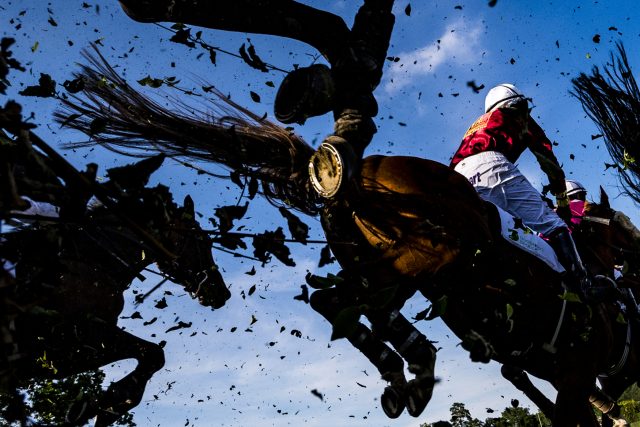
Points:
(577, 195)
(486, 156)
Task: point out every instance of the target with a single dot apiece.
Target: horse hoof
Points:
(419, 392)
(79, 413)
(145, 11)
(392, 402)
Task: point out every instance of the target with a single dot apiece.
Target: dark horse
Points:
(61, 302)
(611, 98)
(416, 225)
(607, 240)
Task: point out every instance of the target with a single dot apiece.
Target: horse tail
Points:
(118, 117)
(612, 100)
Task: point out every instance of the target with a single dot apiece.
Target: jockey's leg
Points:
(579, 280)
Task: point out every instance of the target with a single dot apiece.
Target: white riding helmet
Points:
(501, 96)
(574, 187)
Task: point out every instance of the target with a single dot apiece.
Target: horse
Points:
(63, 297)
(607, 240)
(414, 224)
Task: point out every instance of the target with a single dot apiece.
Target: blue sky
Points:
(219, 377)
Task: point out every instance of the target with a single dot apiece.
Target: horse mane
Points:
(122, 119)
(612, 100)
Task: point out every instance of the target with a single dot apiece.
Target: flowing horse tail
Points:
(612, 100)
(118, 117)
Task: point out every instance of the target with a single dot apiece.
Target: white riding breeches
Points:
(499, 181)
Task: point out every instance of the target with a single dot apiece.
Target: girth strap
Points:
(551, 345)
(615, 369)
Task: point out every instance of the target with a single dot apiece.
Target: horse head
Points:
(608, 237)
(194, 266)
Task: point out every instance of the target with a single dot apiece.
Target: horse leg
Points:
(609, 408)
(329, 303)
(79, 346)
(285, 18)
(573, 408)
(521, 381)
(415, 348)
(127, 392)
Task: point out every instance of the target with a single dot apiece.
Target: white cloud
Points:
(459, 44)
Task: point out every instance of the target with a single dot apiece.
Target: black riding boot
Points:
(578, 280)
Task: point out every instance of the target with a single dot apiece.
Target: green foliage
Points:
(461, 417)
(630, 410)
(510, 417)
(47, 401)
(517, 417)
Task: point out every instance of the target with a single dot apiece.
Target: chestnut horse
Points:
(61, 302)
(417, 226)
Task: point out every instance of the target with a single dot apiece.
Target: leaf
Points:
(318, 282)
(317, 394)
(272, 242)
(74, 86)
(151, 82)
(298, 229)
(212, 56)
(570, 297)
(97, 125)
(69, 119)
(474, 87)
(423, 314)
(46, 88)
(325, 257)
(228, 214)
(252, 289)
(304, 296)
(345, 323)
(162, 303)
(509, 309)
(52, 21)
(183, 36)
(252, 59)
(254, 96)
(136, 175)
(407, 10)
(180, 325)
(438, 308)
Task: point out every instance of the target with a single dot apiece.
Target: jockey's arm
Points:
(540, 146)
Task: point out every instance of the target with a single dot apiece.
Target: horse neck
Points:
(114, 249)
